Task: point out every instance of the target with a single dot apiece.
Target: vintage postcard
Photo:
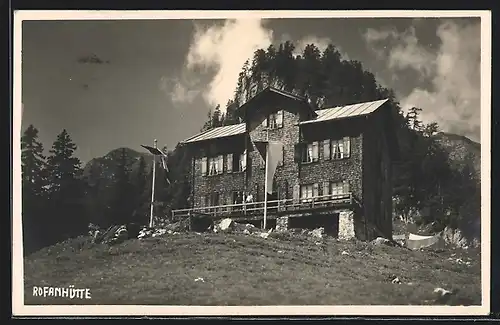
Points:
(251, 163)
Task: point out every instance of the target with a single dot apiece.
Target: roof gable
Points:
(271, 92)
(346, 111)
(218, 132)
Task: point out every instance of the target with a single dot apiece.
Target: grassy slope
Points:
(248, 270)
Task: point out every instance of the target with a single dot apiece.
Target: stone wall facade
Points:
(348, 169)
(281, 223)
(225, 183)
(286, 175)
(291, 174)
(346, 225)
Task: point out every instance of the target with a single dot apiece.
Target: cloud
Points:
(220, 50)
(180, 90)
(92, 59)
(453, 70)
(403, 51)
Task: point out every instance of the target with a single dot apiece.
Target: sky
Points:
(123, 83)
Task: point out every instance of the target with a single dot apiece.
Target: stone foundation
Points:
(281, 223)
(346, 225)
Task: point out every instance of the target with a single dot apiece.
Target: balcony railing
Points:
(284, 206)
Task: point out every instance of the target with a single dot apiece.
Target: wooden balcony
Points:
(274, 208)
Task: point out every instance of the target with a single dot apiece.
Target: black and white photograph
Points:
(251, 163)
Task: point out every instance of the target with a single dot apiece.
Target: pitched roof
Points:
(218, 132)
(272, 91)
(346, 111)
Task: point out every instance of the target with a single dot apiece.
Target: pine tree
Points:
(216, 117)
(422, 175)
(33, 190)
(66, 190)
(208, 124)
(33, 162)
(231, 117)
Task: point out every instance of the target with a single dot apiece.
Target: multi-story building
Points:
(335, 171)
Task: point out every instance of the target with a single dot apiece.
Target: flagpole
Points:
(153, 188)
(265, 178)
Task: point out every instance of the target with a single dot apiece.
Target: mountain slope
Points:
(103, 167)
(461, 150)
(237, 269)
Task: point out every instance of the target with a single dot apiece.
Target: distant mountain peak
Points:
(460, 148)
(104, 166)
(456, 137)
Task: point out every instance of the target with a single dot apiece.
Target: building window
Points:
(310, 152)
(237, 197)
(337, 149)
(212, 199)
(309, 191)
(274, 120)
(215, 165)
(236, 162)
(242, 166)
(336, 189)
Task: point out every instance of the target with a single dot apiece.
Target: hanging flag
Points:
(275, 155)
(163, 159)
(275, 150)
(165, 167)
(154, 151)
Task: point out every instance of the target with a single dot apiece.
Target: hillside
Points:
(461, 150)
(102, 167)
(238, 269)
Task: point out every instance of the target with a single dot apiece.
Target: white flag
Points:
(275, 150)
(275, 155)
(164, 162)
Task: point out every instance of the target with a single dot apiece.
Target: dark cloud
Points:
(92, 59)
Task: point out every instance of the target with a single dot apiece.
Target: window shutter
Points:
(296, 193)
(309, 191)
(243, 161)
(283, 156)
(326, 149)
(315, 189)
(315, 152)
(336, 149)
(334, 189)
(229, 162)
(341, 149)
(347, 147)
(346, 187)
(326, 188)
(204, 166)
(298, 151)
(279, 118)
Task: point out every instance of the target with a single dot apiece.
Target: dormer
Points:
(266, 107)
